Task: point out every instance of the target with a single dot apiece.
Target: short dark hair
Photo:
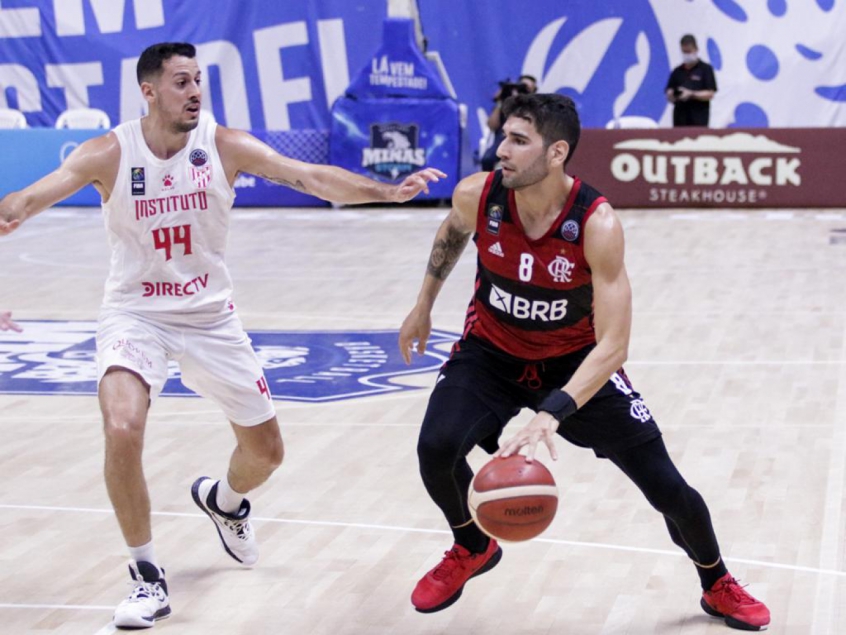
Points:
(553, 116)
(531, 78)
(151, 60)
(688, 39)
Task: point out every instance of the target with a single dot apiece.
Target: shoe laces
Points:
(241, 528)
(144, 590)
(449, 565)
(736, 592)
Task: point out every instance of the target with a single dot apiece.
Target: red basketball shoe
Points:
(442, 586)
(729, 600)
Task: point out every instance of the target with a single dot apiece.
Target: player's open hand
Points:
(6, 323)
(8, 225)
(417, 326)
(416, 183)
(542, 427)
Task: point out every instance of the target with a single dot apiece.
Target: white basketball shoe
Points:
(235, 531)
(148, 601)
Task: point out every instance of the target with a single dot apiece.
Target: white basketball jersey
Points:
(168, 223)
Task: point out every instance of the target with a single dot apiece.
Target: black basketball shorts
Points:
(615, 419)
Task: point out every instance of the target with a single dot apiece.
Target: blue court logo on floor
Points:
(312, 366)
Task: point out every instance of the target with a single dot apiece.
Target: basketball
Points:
(512, 500)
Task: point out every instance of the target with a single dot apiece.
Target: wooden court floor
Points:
(738, 348)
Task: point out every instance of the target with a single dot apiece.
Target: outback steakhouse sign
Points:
(699, 167)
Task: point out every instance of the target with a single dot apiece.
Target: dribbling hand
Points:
(542, 427)
(416, 183)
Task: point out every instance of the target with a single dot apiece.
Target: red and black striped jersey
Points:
(533, 298)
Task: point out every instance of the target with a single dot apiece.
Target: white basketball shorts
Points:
(216, 360)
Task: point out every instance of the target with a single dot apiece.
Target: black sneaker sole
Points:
(730, 621)
(195, 494)
(490, 564)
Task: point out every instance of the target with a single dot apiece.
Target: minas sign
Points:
(707, 168)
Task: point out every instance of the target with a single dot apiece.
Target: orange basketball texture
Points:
(513, 500)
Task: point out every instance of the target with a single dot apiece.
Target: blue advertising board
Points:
(397, 116)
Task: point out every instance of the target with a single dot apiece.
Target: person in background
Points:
(691, 87)
(525, 85)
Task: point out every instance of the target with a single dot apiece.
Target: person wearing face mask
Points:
(691, 87)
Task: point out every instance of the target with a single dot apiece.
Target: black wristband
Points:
(559, 404)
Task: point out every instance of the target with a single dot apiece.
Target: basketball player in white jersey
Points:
(6, 323)
(166, 182)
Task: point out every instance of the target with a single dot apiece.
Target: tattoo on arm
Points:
(299, 186)
(446, 252)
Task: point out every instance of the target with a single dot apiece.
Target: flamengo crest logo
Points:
(309, 366)
(561, 269)
(393, 151)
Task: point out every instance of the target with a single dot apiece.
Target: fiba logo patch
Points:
(139, 185)
(599, 49)
(198, 158)
(570, 231)
(393, 151)
(494, 219)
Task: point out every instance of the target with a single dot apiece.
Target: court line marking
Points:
(825, 599)
(179, 419)
(419, 530)
(52, 607)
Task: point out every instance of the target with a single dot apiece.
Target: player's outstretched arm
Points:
(6, 323)
(449, 244)
(95, 161)
(612, 298)
(242, 152)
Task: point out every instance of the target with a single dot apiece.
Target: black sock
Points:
(708, 577)
(471, 538)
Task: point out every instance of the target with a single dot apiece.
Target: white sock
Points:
(228, 500)
(145, 553)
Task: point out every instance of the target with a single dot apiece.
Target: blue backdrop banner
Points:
(267, 65)
(280, 65)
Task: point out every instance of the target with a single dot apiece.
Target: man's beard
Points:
(535, 173)
(180, 127)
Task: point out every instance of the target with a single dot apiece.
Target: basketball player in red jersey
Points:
(548, 329)
(166, 181)
(6, 323)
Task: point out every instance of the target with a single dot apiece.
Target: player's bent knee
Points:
(124, 433)
(676, 499)
(435, 453)
(264, 444)
(275, 453)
